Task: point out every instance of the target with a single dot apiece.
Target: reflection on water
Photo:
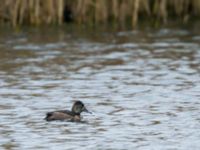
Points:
(142, 87)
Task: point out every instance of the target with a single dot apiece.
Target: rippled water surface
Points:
(142, 86)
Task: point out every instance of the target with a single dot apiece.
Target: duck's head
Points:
(78, 107)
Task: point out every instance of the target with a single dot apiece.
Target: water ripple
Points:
(141, 87)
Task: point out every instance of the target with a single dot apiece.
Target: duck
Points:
(67, 115)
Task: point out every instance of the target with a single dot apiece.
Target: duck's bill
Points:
(85, 110)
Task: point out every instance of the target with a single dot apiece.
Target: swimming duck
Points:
(73, 115)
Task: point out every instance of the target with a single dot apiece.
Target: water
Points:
(142, 87)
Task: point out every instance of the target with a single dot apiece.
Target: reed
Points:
(36, 12)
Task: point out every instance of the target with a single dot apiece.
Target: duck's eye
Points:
(78, 109)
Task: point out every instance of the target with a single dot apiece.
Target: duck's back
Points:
(59, 115)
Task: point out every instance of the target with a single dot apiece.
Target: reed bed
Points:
(37, 12)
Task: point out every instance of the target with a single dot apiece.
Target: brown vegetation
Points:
(36, 12)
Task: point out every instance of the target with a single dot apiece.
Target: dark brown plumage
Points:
(73, 115)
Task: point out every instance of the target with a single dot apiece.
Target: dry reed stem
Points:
(18, 12)
(60, 11)
(135, 13)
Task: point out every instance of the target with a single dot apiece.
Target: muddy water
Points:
(142, 87)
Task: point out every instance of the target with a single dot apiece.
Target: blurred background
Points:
(135, 64)
(96, 12)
